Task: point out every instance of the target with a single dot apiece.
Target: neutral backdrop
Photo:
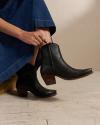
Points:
(78, 31)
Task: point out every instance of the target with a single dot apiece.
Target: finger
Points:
(48, 39)
(38, 43)
(48, 36)
(34, 39)
(34, 44)
(38, 38)
(44, 40)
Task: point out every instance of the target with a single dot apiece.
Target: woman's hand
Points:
(39, 37)
(45, 34)
(31, 38)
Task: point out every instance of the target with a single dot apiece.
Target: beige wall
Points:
(78, 31)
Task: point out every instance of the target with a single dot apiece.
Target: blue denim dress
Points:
(27, 15)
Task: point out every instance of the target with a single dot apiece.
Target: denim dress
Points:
(27, 15)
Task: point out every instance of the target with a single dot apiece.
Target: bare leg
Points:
(36, 49)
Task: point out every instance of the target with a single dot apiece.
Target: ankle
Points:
(32, 63)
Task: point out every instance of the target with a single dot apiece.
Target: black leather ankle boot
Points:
(53, 65)
(38, 64)
(27, 81)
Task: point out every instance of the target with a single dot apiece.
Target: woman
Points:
(26, 29)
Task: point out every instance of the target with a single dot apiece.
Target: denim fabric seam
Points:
(11, 67)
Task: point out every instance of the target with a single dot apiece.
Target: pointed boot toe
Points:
(85, 72)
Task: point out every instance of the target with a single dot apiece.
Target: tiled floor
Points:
(77, 103)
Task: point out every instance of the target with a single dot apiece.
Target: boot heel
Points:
(48, 79)
(22, 93)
